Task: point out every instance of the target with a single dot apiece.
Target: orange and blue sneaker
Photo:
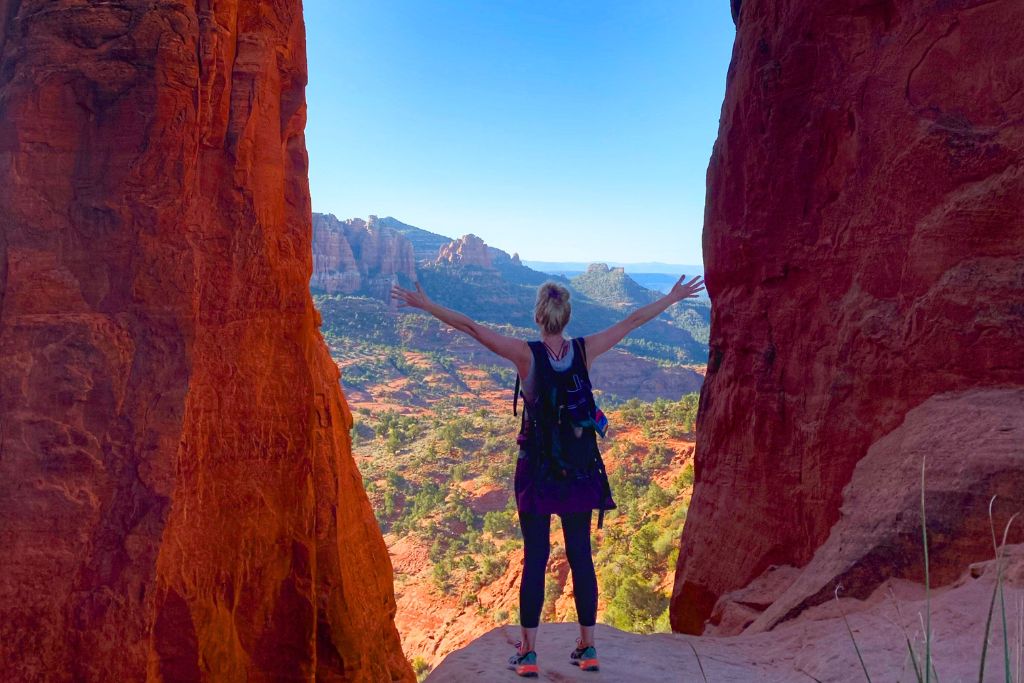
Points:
(524, 663)
(584, 657)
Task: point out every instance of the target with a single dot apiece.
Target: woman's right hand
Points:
(417, 299)
(689, 290)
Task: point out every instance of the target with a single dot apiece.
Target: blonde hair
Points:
(553, 308)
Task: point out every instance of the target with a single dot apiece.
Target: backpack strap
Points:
(583, 349)
(579, 360)
(541, 365)
(515, 399)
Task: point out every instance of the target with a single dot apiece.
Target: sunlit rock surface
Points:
(815, 646)
(177, 496)
(863, 249)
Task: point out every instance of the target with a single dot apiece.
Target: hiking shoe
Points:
(524, 663)
(584, 657)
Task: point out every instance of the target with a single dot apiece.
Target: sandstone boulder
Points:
(971, 445)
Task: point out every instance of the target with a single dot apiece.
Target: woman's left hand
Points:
(688, 290)
(417, 299)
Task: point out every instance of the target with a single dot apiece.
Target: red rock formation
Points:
(863, 242)
(177, 496)
(812, 648)
(356, 255)
(334, 266)
(468, 250)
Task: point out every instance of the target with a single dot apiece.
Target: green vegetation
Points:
(419, 471)
(420, 667)
(612, 287)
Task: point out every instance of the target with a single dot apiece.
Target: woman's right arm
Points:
(606, 339)
(515, 350)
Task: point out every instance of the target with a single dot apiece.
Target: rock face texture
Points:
(863, 242)
(468, 250)
(359, 256)
(177, 497)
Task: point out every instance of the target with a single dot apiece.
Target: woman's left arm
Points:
(515, 350)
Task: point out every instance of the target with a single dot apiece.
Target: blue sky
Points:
(568, 131)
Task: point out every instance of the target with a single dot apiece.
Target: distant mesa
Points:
(612, 287)
(603, 268)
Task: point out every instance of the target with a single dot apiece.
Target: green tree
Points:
(636, 606)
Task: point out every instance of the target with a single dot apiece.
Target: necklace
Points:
(561, 351)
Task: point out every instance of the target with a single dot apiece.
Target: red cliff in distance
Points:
(359, 256)
(863, 242)
(177, 496)
(468, 250)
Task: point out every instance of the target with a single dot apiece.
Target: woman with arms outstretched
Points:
(559, 470)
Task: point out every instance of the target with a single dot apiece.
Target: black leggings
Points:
(536, 534)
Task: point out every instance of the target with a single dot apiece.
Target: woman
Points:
(535, 501)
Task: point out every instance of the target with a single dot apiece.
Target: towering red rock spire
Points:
(863, 242)
(468, 250)
(177, 496)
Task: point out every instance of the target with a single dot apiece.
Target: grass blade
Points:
(849, 630)
(995, 591)
(704, 675)
(906, 636)
(927, 586)
(1002, 600)
(1020, 638)
(913, 660)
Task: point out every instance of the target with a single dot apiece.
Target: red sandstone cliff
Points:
(863, 243)
(177, 496)
(356, 255)
(468, 250)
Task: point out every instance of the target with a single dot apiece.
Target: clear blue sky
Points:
(564, 130)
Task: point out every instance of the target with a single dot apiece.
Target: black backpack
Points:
(559, 430)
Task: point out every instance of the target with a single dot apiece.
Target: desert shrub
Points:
(641, 548)
(397, 430)
(685, 479)
(552, 591)
(501, 375)
(499, 522)
(656, 497)
(395, 480)
(418, 504)
(441, 574)
(657, 457)
(452, 432)
(490, 569)
(500, 471)
(636, 605)
(388, 506)
(421, 668)
(666, 541)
